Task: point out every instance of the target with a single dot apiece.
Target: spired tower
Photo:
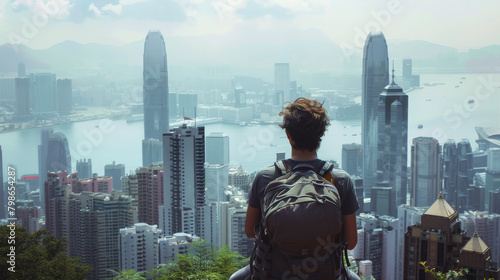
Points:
(375, 79)
(155, 86)
(392, 152)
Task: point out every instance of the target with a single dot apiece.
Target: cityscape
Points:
(135, 146)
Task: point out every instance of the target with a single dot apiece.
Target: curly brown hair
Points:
(306, 122)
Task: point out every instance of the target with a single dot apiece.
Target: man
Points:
(305, 122)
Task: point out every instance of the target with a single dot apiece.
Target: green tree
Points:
(449, 275)
(37, 256)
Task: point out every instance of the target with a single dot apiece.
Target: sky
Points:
(39, 24)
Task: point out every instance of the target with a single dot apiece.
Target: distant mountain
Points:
(243, 53)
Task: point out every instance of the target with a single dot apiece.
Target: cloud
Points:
(116, 9)
(95, 10)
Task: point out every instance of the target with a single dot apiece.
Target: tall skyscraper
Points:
(450, 172)
(464, 174)
(152, 152)
(392, 151)
(216, 182)
(281, 83)
(217, 148)
(375, 79)
(155, 87)
(184, 179)
(493, 176)
(187, 104)
(351, 159)
(53, 156)
(84, 168)
(426, 171)
(43, 93)
(64, 96)
(117, 171)
(23, 105)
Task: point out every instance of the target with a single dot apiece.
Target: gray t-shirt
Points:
(343, 183)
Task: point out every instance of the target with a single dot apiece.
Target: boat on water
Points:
(471, 101)
(428, 99)
(420, 126)
(135, 118)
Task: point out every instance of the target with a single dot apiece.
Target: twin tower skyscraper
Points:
(384, 130)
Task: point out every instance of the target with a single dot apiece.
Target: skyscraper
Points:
(352, 159)
(450, 172)
(155, 86)
(53, 156)
(375, 79)
(149, 193)
(43, 93)
(217, 148)
(281, 83)
(84, 168)
(187, 104)
(184, 179)
(152, 152)
(392, 151)
(464, 174)
(493, 179)
(426, 171)
(117, 171)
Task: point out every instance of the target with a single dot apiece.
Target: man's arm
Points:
(253, 218)
(349, 230)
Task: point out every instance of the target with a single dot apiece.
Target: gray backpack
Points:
(301, 236)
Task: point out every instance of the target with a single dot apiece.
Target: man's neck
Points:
(303, 155)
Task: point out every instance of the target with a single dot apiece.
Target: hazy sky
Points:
(461, 24)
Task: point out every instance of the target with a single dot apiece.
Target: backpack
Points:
(302, 233)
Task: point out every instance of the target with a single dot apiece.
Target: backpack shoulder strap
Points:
(281, 165)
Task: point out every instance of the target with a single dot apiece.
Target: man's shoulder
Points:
(266, 172)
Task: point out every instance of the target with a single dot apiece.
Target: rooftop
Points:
(441, 208)
(476, 244)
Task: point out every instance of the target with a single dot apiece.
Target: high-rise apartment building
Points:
(149, 193)
(28, 215)
(84, 168)
(116, 171)
(43, 93)
(53, 156)
(184, 179)
(64, 96)
(217, 148)
(139, 247)
(426, 171)
(281, 83)
(392, 145)
(237, 239)
(352, 160)
(450, 172)
(155, 86)
(465, 174)
(487, 226)
(103, 184)
(375, 79)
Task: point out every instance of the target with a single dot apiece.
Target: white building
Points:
(171, 246)
(210, 227)
(365, 268)
(488, 228)
(216, 182)
(237, 239)
(139, 247)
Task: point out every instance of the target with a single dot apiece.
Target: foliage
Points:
(201, 264)
(449, 275)
(38, 256)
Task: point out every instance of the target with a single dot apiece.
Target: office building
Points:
(280, 156)
(64, 96)
(84, 168)
(450, 172)
(352, 160)
(139, 247)
(383, 200)
(281, 83)
(53, 156)
(23, 104)
(216, 182)
(237, 239)
(149, 193)
(375, 78)
(155, 86)
(392, 145)
(426, 171)
(465, 174)
(217, 148)
(492, 177)
(184, 179)
(494, 201)
(116, 171)
(43, 94)
(238, 94)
